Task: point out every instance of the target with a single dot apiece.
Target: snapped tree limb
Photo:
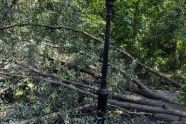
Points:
(96, 39)
(128, 105)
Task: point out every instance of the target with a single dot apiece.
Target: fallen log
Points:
(138, 100)
(166, 117)
(150, 93)
(150, 116)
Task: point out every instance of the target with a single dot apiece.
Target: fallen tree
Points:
(124, 101)
(72, 85)
(142, 89)
(119, 50)
(153, 102)
(127, 105)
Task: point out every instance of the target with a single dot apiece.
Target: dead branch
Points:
(152, 92)
(149, 92)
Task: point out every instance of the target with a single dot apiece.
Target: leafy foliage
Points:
(151, 30)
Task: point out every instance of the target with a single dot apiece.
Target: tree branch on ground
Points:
(96, 39)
